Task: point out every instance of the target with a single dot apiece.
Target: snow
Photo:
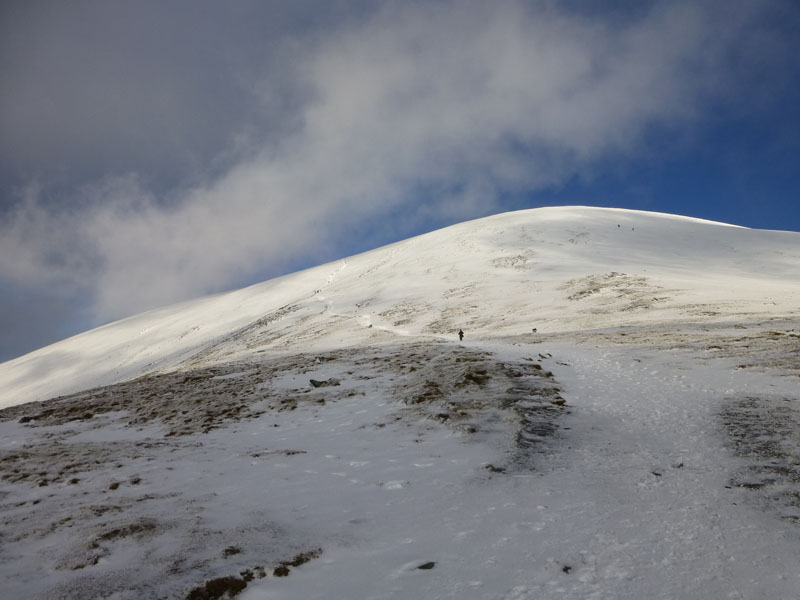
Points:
(500, 275)
(642, 443)
(597, 508)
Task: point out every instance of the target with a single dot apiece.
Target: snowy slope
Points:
(325, 435)
(555, 269)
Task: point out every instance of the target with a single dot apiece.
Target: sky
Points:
(152, 152)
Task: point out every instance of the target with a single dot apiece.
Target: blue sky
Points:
(152, 152)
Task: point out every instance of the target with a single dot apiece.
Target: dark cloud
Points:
(164, 89)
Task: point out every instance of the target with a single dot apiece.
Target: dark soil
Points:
(765, 433)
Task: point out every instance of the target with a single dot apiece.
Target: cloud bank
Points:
(282, 139)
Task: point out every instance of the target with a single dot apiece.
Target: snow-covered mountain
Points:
(620, 421)
(553, 269)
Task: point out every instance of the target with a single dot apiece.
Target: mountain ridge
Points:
(553, 269)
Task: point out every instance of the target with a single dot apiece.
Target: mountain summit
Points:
(550, 269)
(619, 421)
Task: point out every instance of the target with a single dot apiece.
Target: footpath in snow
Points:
(633, 502)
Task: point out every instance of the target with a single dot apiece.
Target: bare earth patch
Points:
(91, 490)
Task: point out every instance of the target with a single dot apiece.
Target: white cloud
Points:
(464, 100)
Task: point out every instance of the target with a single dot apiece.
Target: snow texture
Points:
(622, 420)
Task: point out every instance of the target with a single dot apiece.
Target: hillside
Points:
(553, 269)
(620, 421)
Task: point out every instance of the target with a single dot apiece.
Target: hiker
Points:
(461, 335)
